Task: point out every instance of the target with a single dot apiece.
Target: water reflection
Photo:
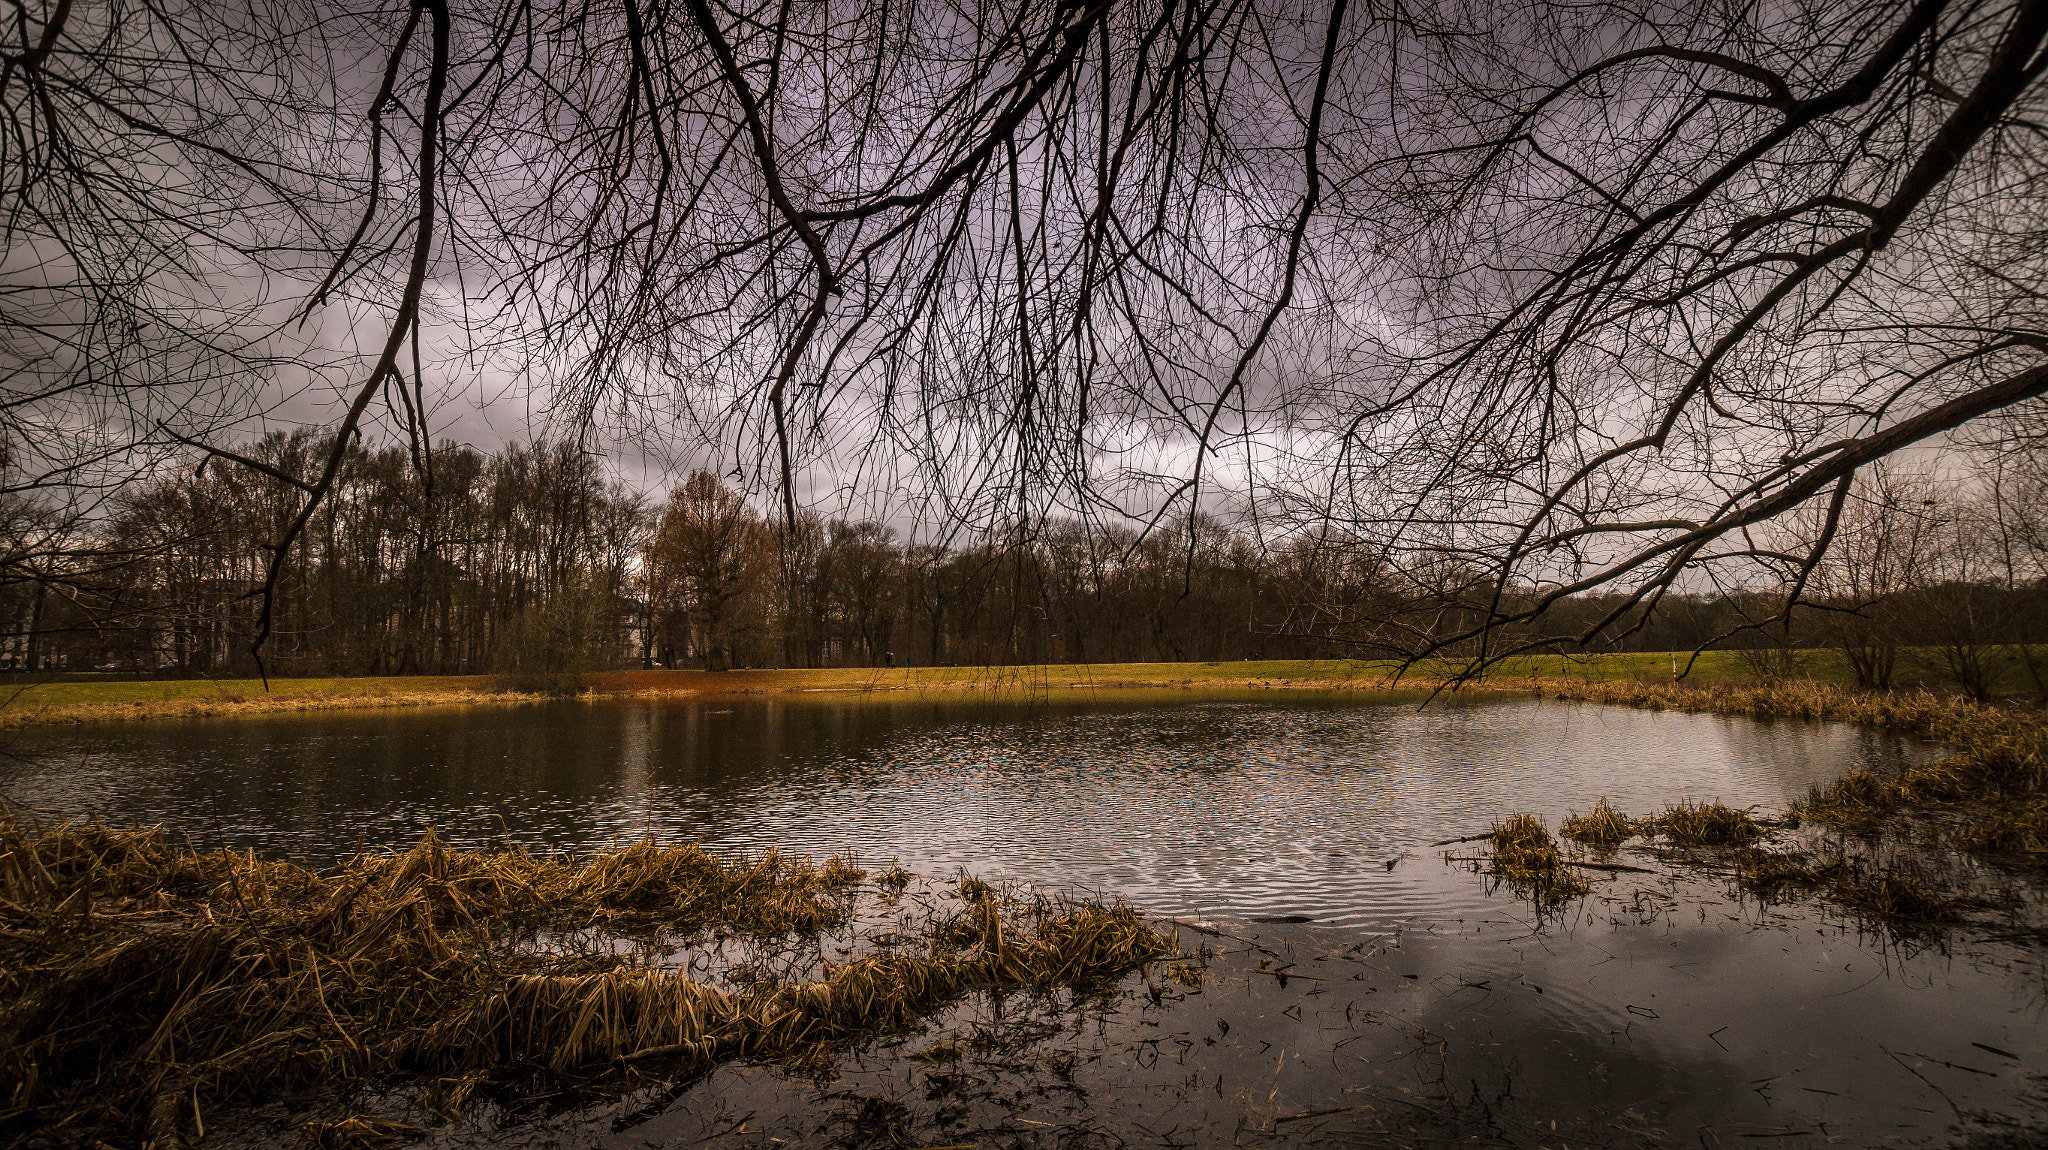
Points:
(1233, 807)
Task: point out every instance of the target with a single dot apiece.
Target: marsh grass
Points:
(1526, 858)
(1989, 796)
(143, 981)
(1704, 825)
(2007, 829)
(1603, 826)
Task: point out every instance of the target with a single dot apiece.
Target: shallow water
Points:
(1421, 1008)
(1669, 1019)
(1234, 808)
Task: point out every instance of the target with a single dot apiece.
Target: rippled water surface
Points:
(1237, 808)
(1420, 1008)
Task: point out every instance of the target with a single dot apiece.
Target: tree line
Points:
(536, 559)
(461, 562)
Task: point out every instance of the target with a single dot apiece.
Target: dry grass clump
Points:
(688, 887)
(1527, 858)
(570, 1021)
(1705, 825)
(1860, 797)
(142, 980)
(1521, 841)
(1603, 826)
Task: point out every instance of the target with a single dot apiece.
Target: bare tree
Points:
(1960, 611)
(157, 192)
(2019, 521)
(1524, 305)
(1884, 542)
(861, 570)
(1663, 278)
(1680, 274)
(708, 554)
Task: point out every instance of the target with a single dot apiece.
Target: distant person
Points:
(888, 658)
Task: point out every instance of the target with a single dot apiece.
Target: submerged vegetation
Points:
(1704, 825)
(1526, 858)
(1898, 892)
(1900, 889)
(1603, 826)
(143, 981)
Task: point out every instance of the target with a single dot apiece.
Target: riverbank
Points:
(27, 703)
(59, 703)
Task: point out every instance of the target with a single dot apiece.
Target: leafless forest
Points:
(1159, 329)
(552, 569)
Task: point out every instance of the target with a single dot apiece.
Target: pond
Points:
(1418, 1005)
(1235, 808)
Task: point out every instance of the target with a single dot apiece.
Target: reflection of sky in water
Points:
(1233, 808)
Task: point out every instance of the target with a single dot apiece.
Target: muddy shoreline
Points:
(1659, 1014)
(1664, 1007)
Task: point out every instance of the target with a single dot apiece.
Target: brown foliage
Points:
(143, 979)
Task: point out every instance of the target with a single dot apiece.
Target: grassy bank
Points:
(27, 703)
(47, 703)
(56, 704)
